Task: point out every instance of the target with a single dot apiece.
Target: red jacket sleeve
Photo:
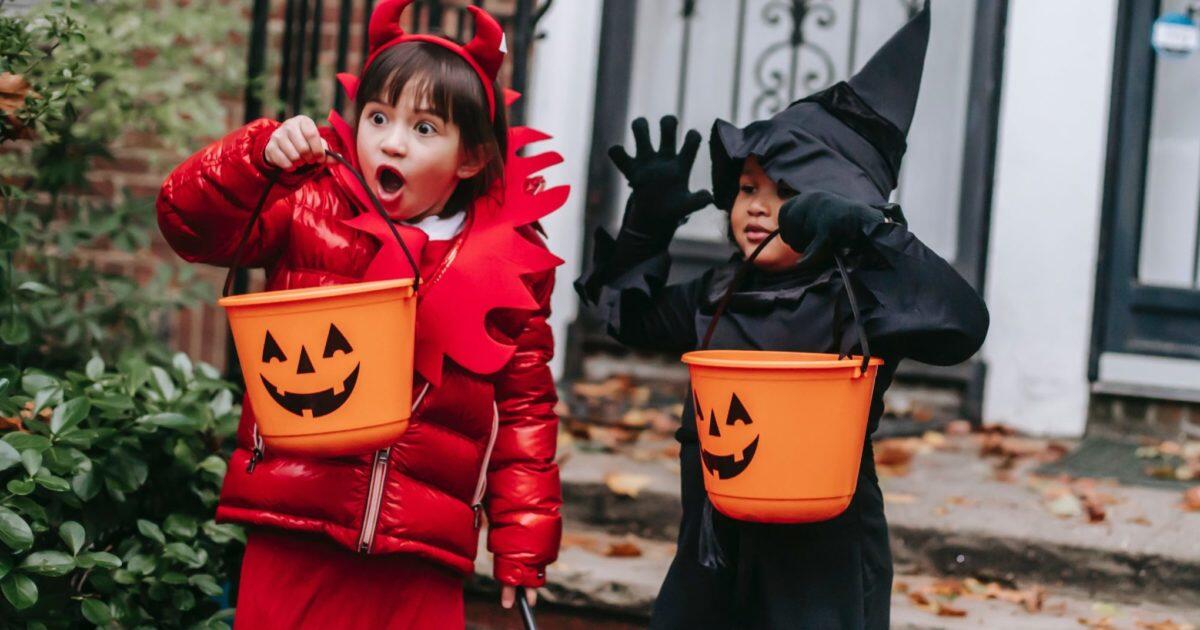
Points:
(205, 202)
(524, 492)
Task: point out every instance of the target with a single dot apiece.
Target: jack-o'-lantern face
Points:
(302, 386)
(737, 458)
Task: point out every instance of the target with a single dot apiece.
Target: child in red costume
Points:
(383, 539)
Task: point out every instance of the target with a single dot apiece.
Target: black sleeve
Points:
(632, 297)
(915, 304)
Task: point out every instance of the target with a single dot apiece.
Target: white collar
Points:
(439, 228)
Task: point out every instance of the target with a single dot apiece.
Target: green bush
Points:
(109, 483)
(112, 449)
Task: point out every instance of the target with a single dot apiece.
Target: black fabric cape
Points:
(834, 574)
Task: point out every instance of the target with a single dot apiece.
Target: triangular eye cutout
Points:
(335, 342)
(271, 350)
(713, 429)
(737, 413)
(304, 366)
(697, 409)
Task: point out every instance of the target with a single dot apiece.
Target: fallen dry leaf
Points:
(1166, 624)
(1191, 499)
(1141, 520)
(623, 549)
(1065, 506)
(626, 484)
(611, 388)
(958, 427)
(1100, 623)
(899, 498)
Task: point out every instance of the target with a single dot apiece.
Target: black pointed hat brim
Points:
(803, 147)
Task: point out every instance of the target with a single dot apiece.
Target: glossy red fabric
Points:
(294, 581)
(433, 472)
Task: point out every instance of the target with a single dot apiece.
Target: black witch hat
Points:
(848, 139)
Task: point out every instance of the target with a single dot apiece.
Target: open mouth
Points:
(729, 466)
(390, 180)
(317, 403)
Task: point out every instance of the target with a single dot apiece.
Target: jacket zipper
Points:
(375, 489)
(481, 482)
(258, 452)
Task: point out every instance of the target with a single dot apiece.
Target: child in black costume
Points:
(821, 171)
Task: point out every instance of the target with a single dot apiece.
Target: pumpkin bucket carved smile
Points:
(317, 403)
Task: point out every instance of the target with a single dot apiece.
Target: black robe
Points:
(833, 574)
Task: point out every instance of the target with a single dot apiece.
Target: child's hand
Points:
(508, 596)
(660, 199)
(296, 143)
(814, 217)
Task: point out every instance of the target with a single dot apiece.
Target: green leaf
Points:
(142, 563)
(21, 487)
(174, 578)
(51, 482)
(183, 599)
(183, 553)
(86, 485)
(172, 420)
(9, 456)
(214, 465)
(14, 531)
(27, 441)
(5, 565)
(35, 382)
(69, 414)
(32, 460)
(96, 612)
(180, 526)
(166, 386)
(222, 533)
(20, 591)
(95, 367)
(46, 397)
(72, 533)
(182, 363)
(207, 584)
(151, 531)
(36, 287)
(48, 563)
(14, 331)
(101, 559)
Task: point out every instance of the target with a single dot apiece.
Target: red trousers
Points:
(296, 581)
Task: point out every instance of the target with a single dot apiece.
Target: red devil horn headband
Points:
(484, 53)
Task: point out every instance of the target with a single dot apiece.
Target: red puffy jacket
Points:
(475, 442)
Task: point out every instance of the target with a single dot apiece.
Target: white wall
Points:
(1046, 212)
(561, 98)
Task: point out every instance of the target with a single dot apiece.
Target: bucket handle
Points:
(262, 201)
(741, 275)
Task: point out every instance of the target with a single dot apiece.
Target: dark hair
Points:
(452, 89)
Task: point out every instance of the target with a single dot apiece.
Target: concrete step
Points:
(950, 515)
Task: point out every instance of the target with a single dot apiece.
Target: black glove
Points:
(812, 218)
(660, 200)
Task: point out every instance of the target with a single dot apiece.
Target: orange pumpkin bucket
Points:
(328, 370)
(781, 433)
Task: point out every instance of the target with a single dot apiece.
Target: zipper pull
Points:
(478, 510)
(257, 454)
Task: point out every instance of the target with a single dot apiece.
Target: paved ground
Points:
(993, 533)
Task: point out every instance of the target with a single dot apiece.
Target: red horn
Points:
(385, 22)
(488, 47)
